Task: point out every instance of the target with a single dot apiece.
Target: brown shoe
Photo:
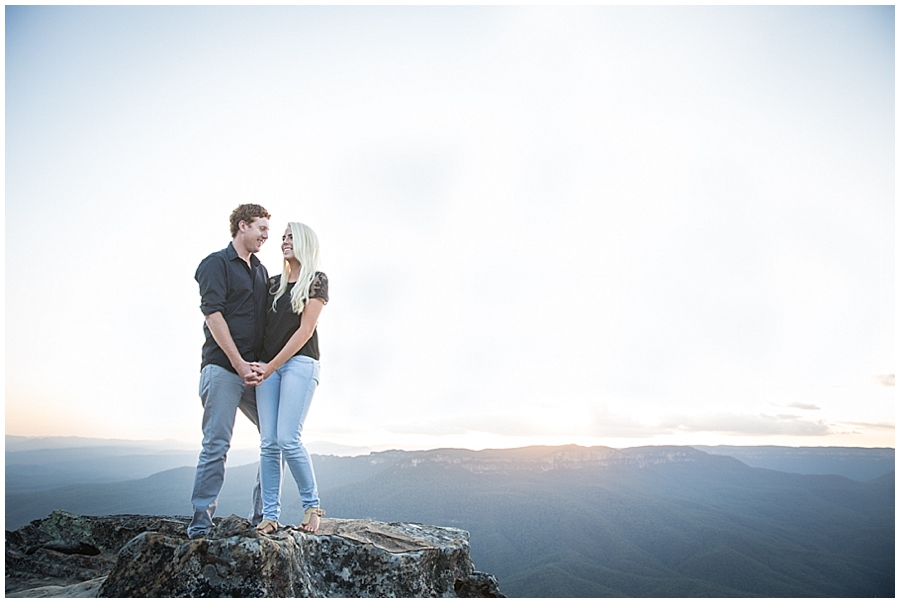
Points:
(266, 527)
(307, 519)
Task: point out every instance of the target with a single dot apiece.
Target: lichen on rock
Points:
(346, 558)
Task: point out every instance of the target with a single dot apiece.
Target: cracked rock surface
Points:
(67, 555)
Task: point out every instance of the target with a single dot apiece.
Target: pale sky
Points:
(598, 225)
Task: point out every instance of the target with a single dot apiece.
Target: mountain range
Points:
(576, 521)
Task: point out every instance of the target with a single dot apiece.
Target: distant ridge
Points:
(860, 464)
(21, 443)
(17, 443)
(572, 521)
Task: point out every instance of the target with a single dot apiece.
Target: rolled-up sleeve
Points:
(212, 278)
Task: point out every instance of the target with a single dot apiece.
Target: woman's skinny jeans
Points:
(283, 401)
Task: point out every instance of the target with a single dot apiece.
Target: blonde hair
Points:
(306, 250)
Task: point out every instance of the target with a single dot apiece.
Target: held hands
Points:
(263, 369)
(251, 372)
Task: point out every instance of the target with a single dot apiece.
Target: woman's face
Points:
(287, 244)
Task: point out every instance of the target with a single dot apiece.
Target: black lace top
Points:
(282, 323)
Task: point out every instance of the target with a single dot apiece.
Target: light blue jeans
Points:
(283, 402)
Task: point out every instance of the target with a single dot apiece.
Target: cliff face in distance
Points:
(571, 521)
(68, 555)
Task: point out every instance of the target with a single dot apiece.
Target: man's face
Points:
(254, 234)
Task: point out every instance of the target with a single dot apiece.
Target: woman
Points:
(290, 371)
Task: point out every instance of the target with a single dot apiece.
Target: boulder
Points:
(67, 555)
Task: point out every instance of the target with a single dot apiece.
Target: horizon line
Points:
(389, 449)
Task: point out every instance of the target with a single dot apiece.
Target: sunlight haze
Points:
(599, 225)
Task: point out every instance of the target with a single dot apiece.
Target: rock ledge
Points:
(67, 555)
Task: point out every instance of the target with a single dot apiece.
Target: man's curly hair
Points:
(246, 212)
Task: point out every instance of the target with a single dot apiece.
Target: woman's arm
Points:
(307, 325)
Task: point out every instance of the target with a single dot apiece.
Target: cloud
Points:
(800, 405)
(495, 424)
(608, 424)
(747, 424)
(601, 423)
(878, 426)
(885, 380)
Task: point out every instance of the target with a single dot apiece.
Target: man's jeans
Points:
(222, 393)
(284, 399)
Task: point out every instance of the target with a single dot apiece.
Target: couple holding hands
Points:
(261, 355)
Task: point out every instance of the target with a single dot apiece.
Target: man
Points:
(232, 298)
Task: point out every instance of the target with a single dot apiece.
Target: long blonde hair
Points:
(306, 250)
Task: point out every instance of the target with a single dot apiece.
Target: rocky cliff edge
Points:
(68, 555)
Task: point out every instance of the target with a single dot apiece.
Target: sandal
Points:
(266, 527)
(308, 515)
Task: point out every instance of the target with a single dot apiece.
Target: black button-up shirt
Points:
(228, 285)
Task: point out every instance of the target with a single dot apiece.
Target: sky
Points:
(600, 225)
